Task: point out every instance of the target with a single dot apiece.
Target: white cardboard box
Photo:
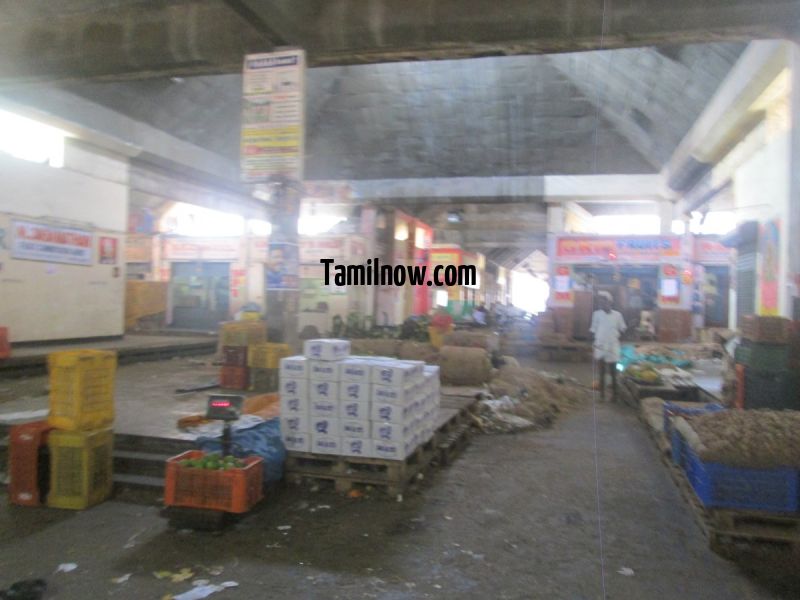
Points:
(395, 374)
(392, 395)
(354, 391)
(293, 388)
(392, 432)
(419, 369)
(326, 444)
(294, 424)
(390, 413)
(297, 442)
(355, 429)
(326, 349)
(323, 370)
(357, 370)
(294, 367)
(325, 426)
(294, 406)
(323, 390)
(357, 447)
(324, 408)
(354, 410)
(391, 450)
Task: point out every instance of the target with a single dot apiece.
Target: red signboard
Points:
(632, 249)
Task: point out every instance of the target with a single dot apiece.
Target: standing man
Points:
(607, 327)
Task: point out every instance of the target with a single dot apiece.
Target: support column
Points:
(282, 305)
(666, 214)
(793, 214)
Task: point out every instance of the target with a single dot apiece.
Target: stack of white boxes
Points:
(376, 407)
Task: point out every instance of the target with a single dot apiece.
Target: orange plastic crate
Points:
(234, 378)
(5, 345)
(234, 490)
(29, 473)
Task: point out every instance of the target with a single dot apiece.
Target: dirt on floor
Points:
(584, 510)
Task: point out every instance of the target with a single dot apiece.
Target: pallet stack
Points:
(356, 406)
(235, 338)
(77, 435)
(767, 368)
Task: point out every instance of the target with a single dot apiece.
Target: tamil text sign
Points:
(37, 241)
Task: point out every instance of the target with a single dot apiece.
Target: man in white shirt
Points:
(607, 327)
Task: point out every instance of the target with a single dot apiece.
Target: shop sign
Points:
(440, 256)
(312, 249)
(711, 252)
(201, 248)
(36, 241)
(138, 248)
(273, 110)
(632, 249)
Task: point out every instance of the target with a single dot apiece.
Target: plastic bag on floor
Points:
(263, 440)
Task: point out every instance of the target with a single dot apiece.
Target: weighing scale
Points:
(220, 407)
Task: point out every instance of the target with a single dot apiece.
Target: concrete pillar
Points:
(555, 219)
(793, 214)
(283, 304)
(665, 212)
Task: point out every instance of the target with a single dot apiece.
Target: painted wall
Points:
(51, 301)
(761, 192)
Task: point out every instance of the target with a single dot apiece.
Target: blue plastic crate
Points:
(722, 486)
(671, 409)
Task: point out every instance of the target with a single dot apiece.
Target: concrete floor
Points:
(516, 516)
(146, 402)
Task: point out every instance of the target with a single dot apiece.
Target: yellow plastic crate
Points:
(81, 468)
(266, 355)
(81, 389)
(242, 333)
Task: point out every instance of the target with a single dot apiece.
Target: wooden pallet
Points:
(348, 472)
(450, 437)
(728, 530)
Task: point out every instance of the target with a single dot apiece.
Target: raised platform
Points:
(132, 348)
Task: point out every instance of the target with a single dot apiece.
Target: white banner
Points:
(36, 241)
(273, 115)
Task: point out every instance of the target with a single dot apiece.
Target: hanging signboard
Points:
(631, 249)
(769, 268)
(273, 113)
(36, 241)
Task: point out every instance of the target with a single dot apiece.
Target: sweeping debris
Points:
(523, 398)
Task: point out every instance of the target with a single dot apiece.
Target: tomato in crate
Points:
(195, 479)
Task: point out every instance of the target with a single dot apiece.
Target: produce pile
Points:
(464, 366)
(213, 462)
(644, 373)
(756, 439)
(532, 395)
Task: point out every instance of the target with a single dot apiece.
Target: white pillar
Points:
(665, 213)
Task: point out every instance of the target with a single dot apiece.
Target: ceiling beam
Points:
(56, 41)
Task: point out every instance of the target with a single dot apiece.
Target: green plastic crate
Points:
(768, 358)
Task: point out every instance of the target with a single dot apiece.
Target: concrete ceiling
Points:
(618, 111)
(79, 39)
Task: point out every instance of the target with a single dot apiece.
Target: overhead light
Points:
(454, 216)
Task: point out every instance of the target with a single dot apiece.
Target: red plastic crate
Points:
(234, 356)
(5, 345)
(234, 378)
(28, 468)
(234, 490)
